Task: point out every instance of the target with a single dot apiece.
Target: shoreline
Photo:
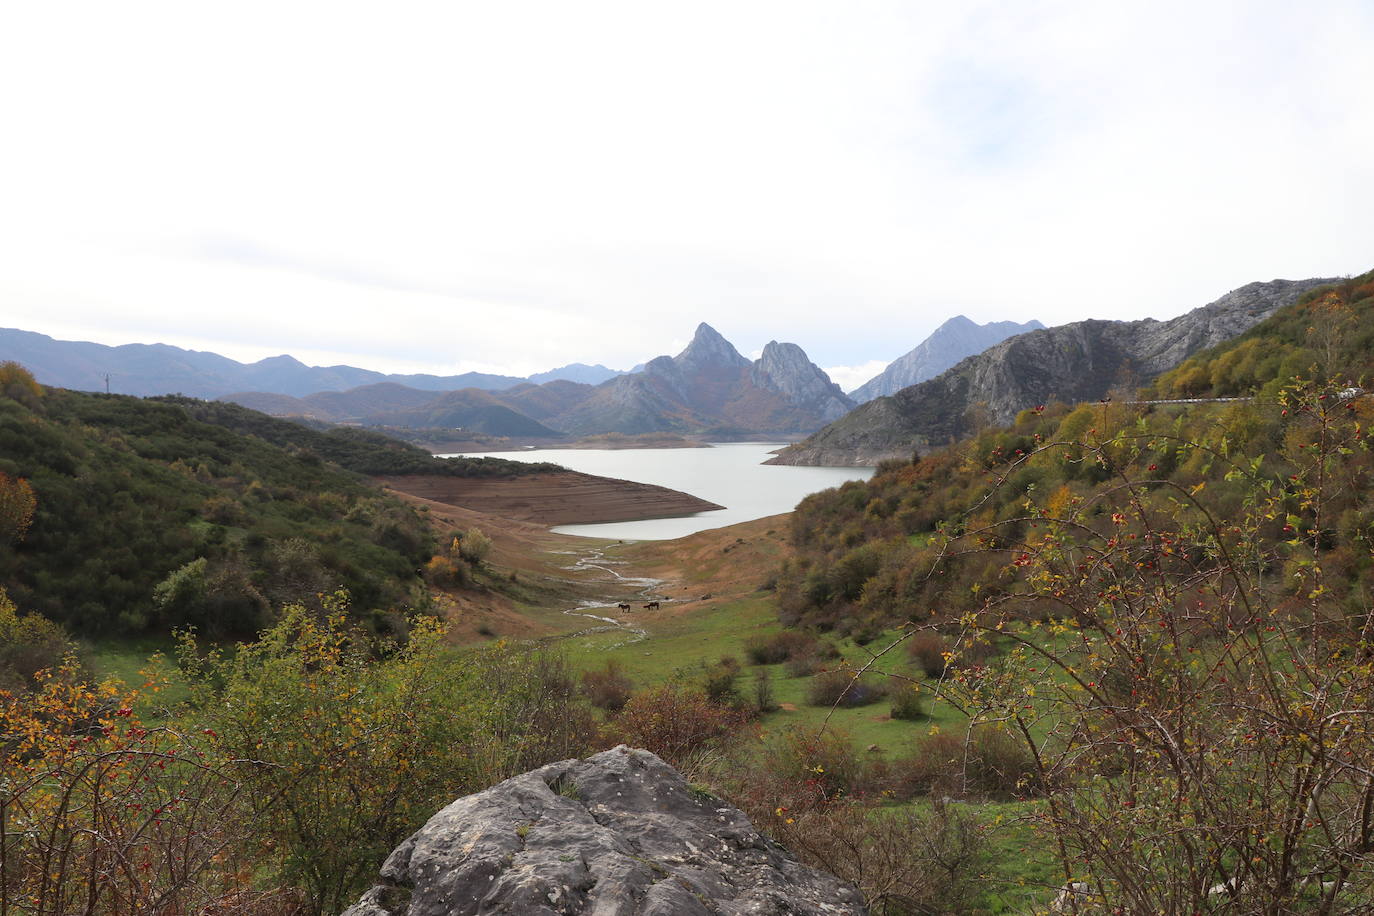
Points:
(554, 498)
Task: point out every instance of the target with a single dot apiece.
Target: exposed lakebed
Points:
(730, 473)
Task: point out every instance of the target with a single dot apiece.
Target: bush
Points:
(347, 754)
(802, 666)
(28, 644)
(779, 647)
(474, 546)
(820, 763)
(682, 726)
(928, 650)
(839, 687)
(763, 692)
(983, 763)
(908, 702)
(607, 687)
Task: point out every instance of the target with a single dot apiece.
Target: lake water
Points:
(729, 473)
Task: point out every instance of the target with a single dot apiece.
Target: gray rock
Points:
(784, 368)
(1077, 362)
(949, 344)
(710, 386)
(617, 834)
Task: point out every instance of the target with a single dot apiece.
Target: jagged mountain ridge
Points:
(948, 345)
(153, 369)
(1082, 361)
(710, 385)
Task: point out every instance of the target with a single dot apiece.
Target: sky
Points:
(513, 186)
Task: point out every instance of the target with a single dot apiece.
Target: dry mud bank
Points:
(556, 498)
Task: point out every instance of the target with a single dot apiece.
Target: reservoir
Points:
(729, 473)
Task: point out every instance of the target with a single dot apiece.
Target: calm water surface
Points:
(728, 473)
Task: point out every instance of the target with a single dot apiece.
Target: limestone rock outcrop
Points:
(1082, 361)
(617, 834)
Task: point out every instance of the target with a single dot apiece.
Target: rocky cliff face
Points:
(950, 343)
(1083, 361)
(784, 368)
(617, 834)
(709, 384)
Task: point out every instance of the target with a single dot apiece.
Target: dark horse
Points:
(651, 606)
(623, 606)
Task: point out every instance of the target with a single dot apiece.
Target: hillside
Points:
(950, 343)
(1082, 361)
(133, 495)
(158, 513)
(863, 554)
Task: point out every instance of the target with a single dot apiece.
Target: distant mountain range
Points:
(950, 343)
(708, 388)
(1082, 361)
(150, 369)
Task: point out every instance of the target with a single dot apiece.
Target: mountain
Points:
(575, 372)
(950, 343)
(1083, 361)
(151, 369)
(710, 385)
(469, 409)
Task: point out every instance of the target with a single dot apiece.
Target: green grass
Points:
(124, 659)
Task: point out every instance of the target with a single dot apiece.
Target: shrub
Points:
(763, 692)
(682, 726)
(29, 643)
(983, 763)
(346, 753)
(607, 687)
(821, 763)
(928, 650)
(103, 813)
(779, 647)
(840, 687)
(474, 546)
(908, 702)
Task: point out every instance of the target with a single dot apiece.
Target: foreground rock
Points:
(617, 834)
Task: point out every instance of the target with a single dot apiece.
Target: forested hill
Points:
(1082, 361)
(360, 450)
(933, 537)
(153, 514)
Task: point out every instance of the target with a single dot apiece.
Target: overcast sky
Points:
(509, 186)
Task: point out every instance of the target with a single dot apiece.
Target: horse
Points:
(651, 606)
(623, 606)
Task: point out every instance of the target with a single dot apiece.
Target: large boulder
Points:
(616, 834)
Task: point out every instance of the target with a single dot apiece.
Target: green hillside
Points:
(929, 538)
(1328, 333)
(157, 513)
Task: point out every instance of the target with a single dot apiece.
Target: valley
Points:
(949, 655)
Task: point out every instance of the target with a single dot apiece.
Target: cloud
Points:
(439, 187)
(851, 377)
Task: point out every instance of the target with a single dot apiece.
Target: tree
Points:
(18, 384)
(1191, 685)
(17, 505)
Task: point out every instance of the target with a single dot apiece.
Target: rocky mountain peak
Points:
(955, 340)
(786, 369)
(709, 349)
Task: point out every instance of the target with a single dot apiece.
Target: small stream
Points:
(595, 558)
